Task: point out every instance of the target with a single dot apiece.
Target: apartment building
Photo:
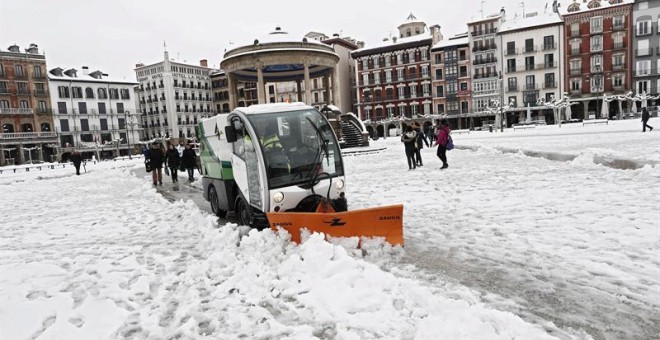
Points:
(25, 109)
(646, 46)
(486, 70)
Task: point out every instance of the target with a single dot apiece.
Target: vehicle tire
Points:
(215, 204)
(243, 212)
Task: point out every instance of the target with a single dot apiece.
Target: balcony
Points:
(575, 33)
(576, 91)
(548, 47)
(531, 49)
(513, 51)
(618, 67)
(27, 135)
(641, 32)
(549, 85)
(481, 61)
(530, 67)
(510, 69)
(485, 75)
(642, 52)
(575, 51)
(619, 45)
(530, 87)
(23, 92)
(512, 88)
(596, 48)
(41, 93)
(618, 27)
(20, 76)
(3, 90)
(16, 111)
(576, 71)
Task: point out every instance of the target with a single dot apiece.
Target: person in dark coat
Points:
(427, 135)
(420, 145)
(441, 142)
(76, 158)
(189, 160)
(157, 158)
(409, 139)
(173, 161)
(645, 118)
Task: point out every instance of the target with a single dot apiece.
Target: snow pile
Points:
(103, 255)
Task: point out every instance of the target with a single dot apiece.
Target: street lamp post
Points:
(128, 120)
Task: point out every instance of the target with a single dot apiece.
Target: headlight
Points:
(278, 197)
(339, 184)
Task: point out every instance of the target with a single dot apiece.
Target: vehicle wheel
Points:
(243, 212)
(215, 205)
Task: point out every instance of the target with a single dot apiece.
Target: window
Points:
(84, 125)
(643, 27)
(413, 91)
(376, 62)
(114, 94)
(643, 48)
(596, 43)
(388, 76)
(37, 72)
(24, 104)
(102, 93)
(549, 60)
(510, 65)
(596, 63)
(426, 90)
(618, 21)
(399, 59)
(22, 87)
(42, 106)
(2, 69)
(617, 80)
(125, 94)
(530, 82)
(596, 25)
(575, 29)
(513, 84)
(617, 60)
(441, 108)
(550, 80)
(440, 91)
(19, 71)
(64, 125)
(510, 48)
(63, 91)
(365, 65)
(643, 68)
(89, 93)
(82, 107)
(76, 92)
(425, 71)
(529, 63)
(438, 58)
(388, 61)
(548, 42)
(529, 45)
(399, 74)
(576, 66)
(102, 108)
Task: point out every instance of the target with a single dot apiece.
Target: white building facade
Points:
(486, 84)
(531, 55)
(174, 96)
(93, 113)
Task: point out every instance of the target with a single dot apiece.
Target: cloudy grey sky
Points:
(114, 35)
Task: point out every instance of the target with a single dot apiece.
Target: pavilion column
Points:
(585, 103)
(41, 152)
(2, 155)
(326, 92)
(299, 87)
(261, 88)
(336, 91)
(20, 158)
(232, 92)
(308, 87)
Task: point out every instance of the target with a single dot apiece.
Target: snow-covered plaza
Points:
(535, 234)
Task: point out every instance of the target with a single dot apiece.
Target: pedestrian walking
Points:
(77, 159)
(645, 118)
(409, 139)
(420, 144)
(173, 161)
(180, 149)
(189, 160)
(156, 159)
(441, 142)
(427, 135)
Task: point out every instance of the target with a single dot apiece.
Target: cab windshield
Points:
(292, 148)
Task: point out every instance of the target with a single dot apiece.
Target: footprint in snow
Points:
(35, 294)
(78, 322)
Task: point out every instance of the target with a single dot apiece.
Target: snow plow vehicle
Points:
(280, 166)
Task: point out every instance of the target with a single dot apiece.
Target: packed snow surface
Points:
(570, 245)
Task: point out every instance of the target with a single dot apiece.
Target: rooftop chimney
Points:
(34, 49)
(85, 70)
(204, 63)
(139, 65)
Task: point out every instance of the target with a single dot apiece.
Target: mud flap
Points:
(386, 222)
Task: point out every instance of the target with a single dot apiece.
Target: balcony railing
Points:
(41, 93)
(640, 52)
(513, 51)
(548, 65)
(531, 49)
(619, 45)
(27, 135)
(529, 67)
(618, 67)
(510, 69)
(547, 47)
(17, 111)
(576, 71)
(3, 90)
(23, 92)
(575, 51)
(484, 75)
(512, 88)
(575, 33)
(619, 27)
(481, 61)
(530, 87)
(549, 85)
(477, 33)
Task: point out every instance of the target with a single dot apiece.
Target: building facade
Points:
(174, 96)
(598, 58)
(345, 72)
(646, 44)
(93, 113)
(486, 70)
(25, 108)
(394, 79)
(452, 79)
(532, 67)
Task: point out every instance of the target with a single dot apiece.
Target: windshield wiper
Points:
(323, 147)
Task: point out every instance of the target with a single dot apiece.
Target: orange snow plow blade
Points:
(386, 222)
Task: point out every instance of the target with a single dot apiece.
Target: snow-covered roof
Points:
(399, 41)
(412, 19)
(451, 42)
(519, 23)
(280, 36)
(579, 6)
(88, 79)
(276, 107)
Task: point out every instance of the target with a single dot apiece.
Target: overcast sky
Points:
(114, 35)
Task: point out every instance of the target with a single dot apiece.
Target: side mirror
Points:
(230, 132)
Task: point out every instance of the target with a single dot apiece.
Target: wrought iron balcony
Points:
(16, 111)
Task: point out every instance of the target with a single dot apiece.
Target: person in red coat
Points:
(441, 141)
